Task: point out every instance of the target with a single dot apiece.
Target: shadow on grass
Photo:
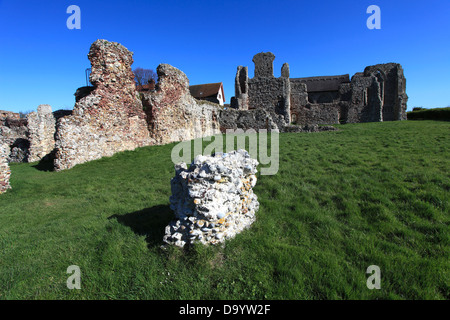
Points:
(47, 162)
(44, 165)
(150, 222)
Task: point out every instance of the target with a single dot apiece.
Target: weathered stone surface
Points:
(285, 70)
(267, 92)
(392, 90)
(8, 114)
(41, 127)
(248, 119)
(213, 200)
(240, 101)
(61, 113)
(264, 64)
(173, 114)
(14, 132)
(5, 172)
(108, 119)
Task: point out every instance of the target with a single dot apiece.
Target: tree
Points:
(144, 76)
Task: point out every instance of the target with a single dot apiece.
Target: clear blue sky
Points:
(43, 62)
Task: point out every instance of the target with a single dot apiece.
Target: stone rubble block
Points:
(213, 200)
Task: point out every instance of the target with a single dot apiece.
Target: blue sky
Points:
(43, 62)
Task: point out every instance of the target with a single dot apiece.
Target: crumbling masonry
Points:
(5, 172)
(41, 127)
(377, 94)
(109, 118)
(173, 114)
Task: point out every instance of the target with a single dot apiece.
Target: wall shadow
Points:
(150, 222)
(45, 165)
(47, 162)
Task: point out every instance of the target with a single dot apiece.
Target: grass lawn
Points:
(369, 194)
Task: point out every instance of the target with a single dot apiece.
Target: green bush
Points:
(430, 114)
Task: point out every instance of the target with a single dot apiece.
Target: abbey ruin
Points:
(112, 116)
(377, 94)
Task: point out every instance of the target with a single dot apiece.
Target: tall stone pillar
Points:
(264, 64)
(41, 127)
(241, 89)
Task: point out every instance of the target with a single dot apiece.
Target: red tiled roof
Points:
(206, 90)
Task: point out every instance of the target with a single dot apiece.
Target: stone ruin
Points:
(41, 127)
(14, 132)
(213, 200)
(5, 172)
(29, 139)
(112, 116)
(377, 94)
(109, 118)
(173, 114)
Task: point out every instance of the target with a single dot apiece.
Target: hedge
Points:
(430, 114)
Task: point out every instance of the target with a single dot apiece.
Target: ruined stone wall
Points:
(392, 89)
(365, 103)
(14, 133)
(377, 94)
(41, 127)
(247, 119)
(8, 115)
(173, 114)
(32, 138)
(267, 92)
(110, 118)
(299, 98)
(5, 172)
(325, 113)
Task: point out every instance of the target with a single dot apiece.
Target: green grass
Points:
(369, 194)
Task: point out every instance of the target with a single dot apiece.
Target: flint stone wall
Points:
(240, 100)
(5, 172)
(392, 91)
(316, 113)
(14, 133)
(248, 119)
(41, 127)
(110, 118)
(213, 200)
(8, 115)
(173, 114)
